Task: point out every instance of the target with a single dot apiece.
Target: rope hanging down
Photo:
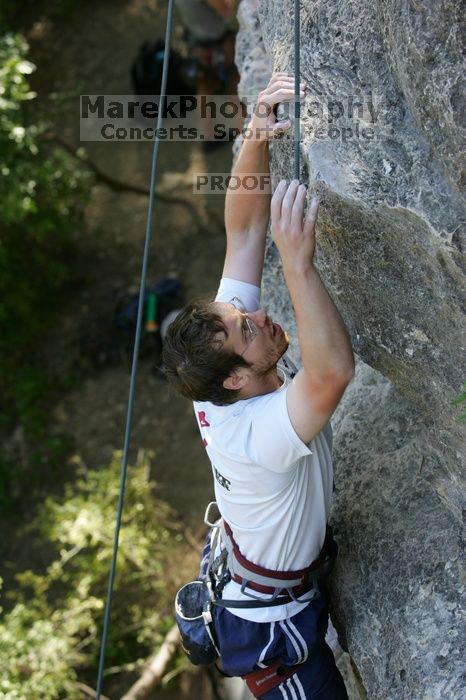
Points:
(137, 342)
(145, 261)
(297, 104)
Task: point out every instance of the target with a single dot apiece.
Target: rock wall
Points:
(381, 142)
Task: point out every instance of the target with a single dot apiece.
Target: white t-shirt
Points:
(272, 489)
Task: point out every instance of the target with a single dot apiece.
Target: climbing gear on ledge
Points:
(160, 299)
(147, 68)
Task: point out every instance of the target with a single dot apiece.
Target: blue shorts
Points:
(246, 646)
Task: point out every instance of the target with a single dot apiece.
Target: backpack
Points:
(147, 67)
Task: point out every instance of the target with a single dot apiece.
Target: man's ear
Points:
(236, 380)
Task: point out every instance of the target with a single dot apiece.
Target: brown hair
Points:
(195, 361)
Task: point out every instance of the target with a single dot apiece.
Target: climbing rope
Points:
(145, 260)
(137, 342)
(297, 104)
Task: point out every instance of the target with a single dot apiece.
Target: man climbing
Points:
(265, 427)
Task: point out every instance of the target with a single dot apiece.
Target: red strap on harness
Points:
(265, 679)
(306, 575)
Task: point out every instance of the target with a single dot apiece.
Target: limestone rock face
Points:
(398, 586)
(381, 139)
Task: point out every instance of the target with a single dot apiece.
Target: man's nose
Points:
(259, 317)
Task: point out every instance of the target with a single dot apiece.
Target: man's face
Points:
(261, 342)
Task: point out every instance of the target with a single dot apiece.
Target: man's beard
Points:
(269, 363)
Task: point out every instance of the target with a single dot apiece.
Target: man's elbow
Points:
(331, 380)
(336, 381)
(340, 374)
(345, 373)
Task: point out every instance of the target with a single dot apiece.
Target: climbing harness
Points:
(194, 602)
(255, 680)
(226, 563)
(266, 581)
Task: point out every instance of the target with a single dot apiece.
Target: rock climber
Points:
(265, 427)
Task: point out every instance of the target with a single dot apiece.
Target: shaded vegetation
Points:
(52, 610)
(41, 193)
(50, 637)
(14, 14)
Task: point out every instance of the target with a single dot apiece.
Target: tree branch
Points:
(154, 672)
(113, 182)
(195, 541)
(90, 691)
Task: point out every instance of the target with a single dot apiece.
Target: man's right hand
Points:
(293, 234)
(323, 340)
(264, 124)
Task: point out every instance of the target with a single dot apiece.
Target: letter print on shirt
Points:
(203, 422)
(225, 483)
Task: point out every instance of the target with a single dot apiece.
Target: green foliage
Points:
(39, 195)
(40, 203)
(52, 633)
(39, 652)
(461, 399)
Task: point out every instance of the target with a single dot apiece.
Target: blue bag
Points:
(194, 620)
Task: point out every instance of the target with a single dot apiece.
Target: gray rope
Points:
(137, 342)
(297, 105)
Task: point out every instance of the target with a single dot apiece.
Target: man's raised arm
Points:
(247, 210)
(328, 363)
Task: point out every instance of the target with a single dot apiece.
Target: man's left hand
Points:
(264, 124)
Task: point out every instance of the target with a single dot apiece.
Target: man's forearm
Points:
(247, 202)
(323, 339)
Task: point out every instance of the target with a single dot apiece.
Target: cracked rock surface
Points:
(381, 138)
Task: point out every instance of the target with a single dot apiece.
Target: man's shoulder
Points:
(209, 414)
(236, 415)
